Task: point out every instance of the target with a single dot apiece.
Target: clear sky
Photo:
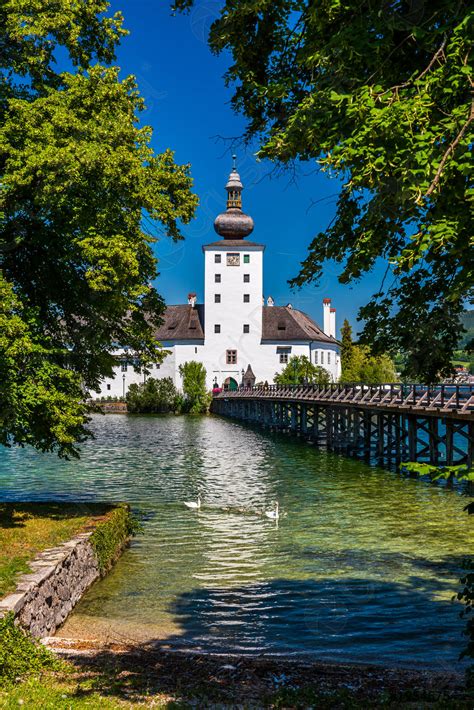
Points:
(189, 110)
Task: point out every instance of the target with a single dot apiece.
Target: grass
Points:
(70, 690)
(29, 528)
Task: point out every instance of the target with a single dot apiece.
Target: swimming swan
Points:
(192, 505)
(273, 514)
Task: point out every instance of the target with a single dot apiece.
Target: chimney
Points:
(332, 323)
(270, 301)
(326, 315)
(192, 299)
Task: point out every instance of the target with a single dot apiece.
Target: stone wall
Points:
(60, 576)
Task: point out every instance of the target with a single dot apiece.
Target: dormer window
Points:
(281, 326)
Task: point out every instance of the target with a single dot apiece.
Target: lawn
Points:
(180, 682)
(29, 528)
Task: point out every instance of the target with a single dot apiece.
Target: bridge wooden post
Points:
(294, 417)
(304, 418)
(367, 433)
(412, 447)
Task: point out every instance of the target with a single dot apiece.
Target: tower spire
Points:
(233, 223)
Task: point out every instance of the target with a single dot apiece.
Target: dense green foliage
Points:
(197, 399)
(300, 370)
(20, 655)
(381, 96)
(153, 397)
(110, 536)
(359, 365)
(467, 340)
(78, 177)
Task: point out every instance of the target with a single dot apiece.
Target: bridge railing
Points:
(442, 396)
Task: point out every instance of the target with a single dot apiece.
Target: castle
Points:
(238, 336)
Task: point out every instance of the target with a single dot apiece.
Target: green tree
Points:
(347, 346)
(155, 396)
(380, 95)
(300, 370)
(78, 182)
(368, 368)
(197, 398)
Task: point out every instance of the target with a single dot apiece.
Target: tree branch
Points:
(450, 150)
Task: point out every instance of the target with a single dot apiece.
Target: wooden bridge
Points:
(389, 422)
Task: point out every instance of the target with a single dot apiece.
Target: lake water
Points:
(362, 565)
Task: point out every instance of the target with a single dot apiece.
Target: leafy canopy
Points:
(78, 181)
(379, 94)
(300, 370)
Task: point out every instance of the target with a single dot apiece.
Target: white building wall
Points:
(231, 314)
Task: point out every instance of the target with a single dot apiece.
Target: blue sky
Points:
(188, 108)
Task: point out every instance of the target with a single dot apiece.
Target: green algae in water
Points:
(362, 566)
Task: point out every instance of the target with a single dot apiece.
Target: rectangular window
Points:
(284, 358)
(108, 387)
(217, 298)
(246, 278)
(231, 357)
(217, 278)
(246, 298)
(316, 357)
(233, 259)
(157, 365)
(124, 367)
(217, 328)
(217, 258)
(322, 357)
(329, 358)
(195, 351)
(246, 328)
(246, 258)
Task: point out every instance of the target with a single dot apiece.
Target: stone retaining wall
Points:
(59, 578)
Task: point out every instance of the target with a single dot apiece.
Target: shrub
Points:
(300, 370)
(20, 654)
(155, 396)
(109, 537)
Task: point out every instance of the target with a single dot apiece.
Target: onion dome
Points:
(233, 223)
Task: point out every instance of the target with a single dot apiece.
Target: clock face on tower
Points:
(233, 259)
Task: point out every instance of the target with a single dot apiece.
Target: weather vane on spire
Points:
(234, 164)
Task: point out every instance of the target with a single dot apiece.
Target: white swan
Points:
(273, 514)
(193, 505)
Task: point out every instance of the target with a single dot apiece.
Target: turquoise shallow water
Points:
(362, 565)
